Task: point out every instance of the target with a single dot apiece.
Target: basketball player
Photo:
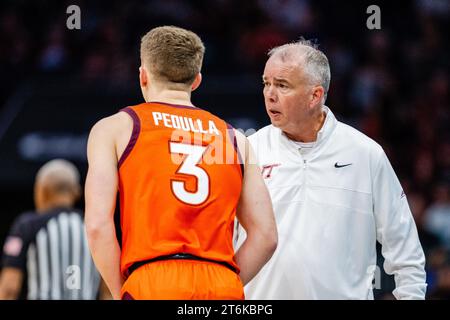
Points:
(183, 175)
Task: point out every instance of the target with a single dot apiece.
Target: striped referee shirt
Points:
(52, 251)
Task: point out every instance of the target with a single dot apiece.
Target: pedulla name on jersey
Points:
(184, 123)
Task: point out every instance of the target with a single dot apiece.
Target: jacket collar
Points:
(323, 134)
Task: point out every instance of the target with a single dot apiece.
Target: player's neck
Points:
(169, 96)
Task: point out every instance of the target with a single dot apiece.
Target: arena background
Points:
(391, 83)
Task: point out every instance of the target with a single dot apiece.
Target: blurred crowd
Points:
(392, 84)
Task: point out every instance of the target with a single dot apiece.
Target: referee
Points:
(45, 256)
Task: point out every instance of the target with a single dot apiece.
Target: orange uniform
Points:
(180, 179)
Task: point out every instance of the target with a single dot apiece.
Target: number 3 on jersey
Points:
(189, 167)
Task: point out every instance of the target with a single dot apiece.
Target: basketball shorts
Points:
(182, 279)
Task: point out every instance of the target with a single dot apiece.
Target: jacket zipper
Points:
(304, 181)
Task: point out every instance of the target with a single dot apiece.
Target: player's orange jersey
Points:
(180, 179)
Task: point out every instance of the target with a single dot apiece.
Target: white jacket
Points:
(331, 206)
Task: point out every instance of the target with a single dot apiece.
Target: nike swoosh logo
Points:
(336, 165)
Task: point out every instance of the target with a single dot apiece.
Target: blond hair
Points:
(172, 54)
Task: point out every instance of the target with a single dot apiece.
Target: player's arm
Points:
(10, 283)
(103, 291)
(255, 214)
(100, 195)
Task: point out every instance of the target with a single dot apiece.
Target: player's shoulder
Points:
(238, 133)
(119, 118)
(112, 124)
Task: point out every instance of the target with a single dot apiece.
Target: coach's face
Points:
(287, 94)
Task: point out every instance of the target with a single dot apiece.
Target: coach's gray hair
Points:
(313, 60)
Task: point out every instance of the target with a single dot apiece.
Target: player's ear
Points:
(197, 81)
(143, 78)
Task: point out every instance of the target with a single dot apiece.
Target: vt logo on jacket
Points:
(267, 170)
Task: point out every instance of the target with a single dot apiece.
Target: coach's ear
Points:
(317, 96)
(143, 79)
(197, 81)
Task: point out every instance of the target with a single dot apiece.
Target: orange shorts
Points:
(183, 280)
